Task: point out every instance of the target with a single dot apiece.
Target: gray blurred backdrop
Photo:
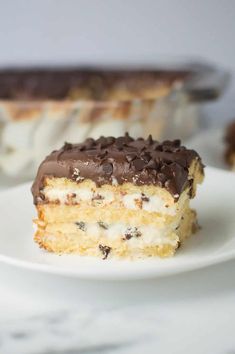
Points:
(90, 31)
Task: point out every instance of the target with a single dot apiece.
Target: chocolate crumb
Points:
(105, 250)
(132, 232)
(103, 225)
(81, 225)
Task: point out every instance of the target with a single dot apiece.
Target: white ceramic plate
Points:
(214, 243)
(210, 146)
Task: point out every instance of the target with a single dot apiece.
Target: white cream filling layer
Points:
(134, 201)
(135, 237)
(78, 195)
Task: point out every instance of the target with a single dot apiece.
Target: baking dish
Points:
(42, 108)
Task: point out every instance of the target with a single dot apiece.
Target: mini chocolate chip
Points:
(97, 197)
(103, 225)
(108, 168)
(156, 146)
(127, 236)
(120, 142)
(120, 147)
(110, 140)
(138, 164)
(176, 142)
(145, 157)
(167, 148)
(128, 139)
(150, 139)
(103, 154)
(151, 165)
(102, 142)
(105, 250)
(130, 157)
(81, 225)
(144, 198)
(89, 143)
(167, 142)
(82, 148)
(131, 232)
(67, 146)
(190, 192)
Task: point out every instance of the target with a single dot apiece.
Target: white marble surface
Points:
(189, 313)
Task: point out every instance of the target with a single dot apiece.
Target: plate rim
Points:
(149, 272)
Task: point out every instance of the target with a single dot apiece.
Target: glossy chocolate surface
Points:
(120, 160)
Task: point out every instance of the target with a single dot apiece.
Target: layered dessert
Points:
(230, 145)
(87, 84)
(119, 197)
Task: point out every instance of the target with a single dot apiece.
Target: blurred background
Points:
(81, 31)
(91, 33)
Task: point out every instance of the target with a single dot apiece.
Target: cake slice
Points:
(230, 145)
(119, 197)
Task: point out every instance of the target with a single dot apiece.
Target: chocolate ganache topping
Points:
(109, 160)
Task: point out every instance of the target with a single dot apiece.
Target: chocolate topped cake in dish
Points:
(230, 145)
(119, 197)
(53, 104)
(87, 84)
